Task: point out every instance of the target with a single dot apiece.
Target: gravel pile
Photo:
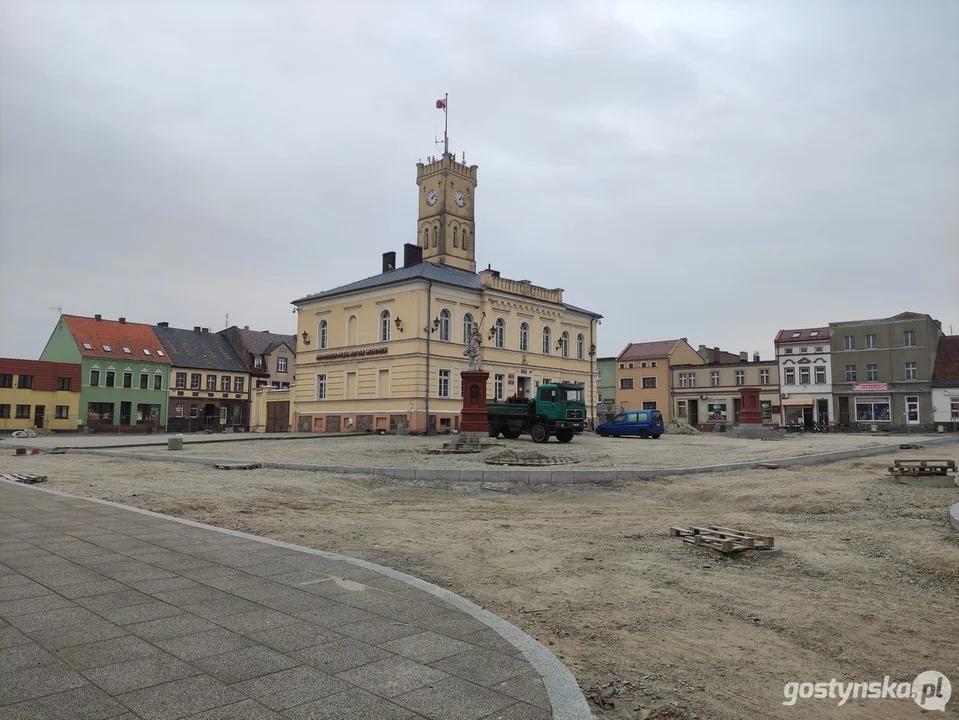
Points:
(681, 427)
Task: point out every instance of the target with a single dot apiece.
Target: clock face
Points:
(460, 198)
(431, 197)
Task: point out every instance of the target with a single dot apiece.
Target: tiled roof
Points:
(648, 350)
(45, 374)
(108, 338)
(202, 350)
(428, 271)
(262, 342)
(946, 371)
(443, 274)
(815, 334)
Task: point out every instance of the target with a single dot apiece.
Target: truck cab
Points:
(557, 409)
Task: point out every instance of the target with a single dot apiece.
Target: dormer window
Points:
(145, 351)
(258, 362)
(160, 353)
(107, 348)
(87, 346)
(126, 349)
(796, 334)
(814, 333)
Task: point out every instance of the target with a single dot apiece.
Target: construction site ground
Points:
(865, 586)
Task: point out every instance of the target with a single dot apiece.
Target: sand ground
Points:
(866, 585)
(588, 450)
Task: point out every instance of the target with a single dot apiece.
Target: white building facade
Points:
(805, 377)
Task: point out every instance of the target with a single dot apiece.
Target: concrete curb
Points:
(566, 699)
(243, 437)
(526, 476)
(954, 517)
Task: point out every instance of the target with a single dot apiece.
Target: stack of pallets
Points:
(25, 478)
(725, 540)
(917, 468)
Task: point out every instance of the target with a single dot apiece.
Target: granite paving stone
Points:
(179, 698)
(392, 676)
(351, 705)
(454, 699)
(204, 644)
(238, 665)
(135, 674)
(110, 614)
(291, 687)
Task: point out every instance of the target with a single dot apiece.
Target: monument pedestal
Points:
(473, 417)
(750, 412)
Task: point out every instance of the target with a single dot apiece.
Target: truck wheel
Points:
(493, 431)
(564, 436)
(512, 434)
(539, 432)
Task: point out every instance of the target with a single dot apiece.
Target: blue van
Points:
(644, 423)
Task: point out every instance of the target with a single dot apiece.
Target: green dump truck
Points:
(558, 409)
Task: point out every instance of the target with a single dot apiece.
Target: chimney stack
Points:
(744, 356)
(755, 357)
(98, 317)
(123, 321)
(715, 354)
(163, 324)
(246, 327)
(196, 328)
(389, 261)
(412, 255)
(206, 330)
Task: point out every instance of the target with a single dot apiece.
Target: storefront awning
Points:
(789, 402)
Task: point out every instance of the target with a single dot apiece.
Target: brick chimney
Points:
(389, 261)
(123, 321)
(715, 354)
(98, 317)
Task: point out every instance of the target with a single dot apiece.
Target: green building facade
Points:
(124, 372)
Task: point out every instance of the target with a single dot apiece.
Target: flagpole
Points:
(446, 124)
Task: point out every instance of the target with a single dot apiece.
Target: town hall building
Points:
(386, 353)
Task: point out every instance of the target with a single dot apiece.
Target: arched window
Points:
(426, 237)
(324, 334)
(456, 241)
(468, 326)
(444, 328)
(547, 340)
(466, 245)
(564, 344)
(500, 333)
(580, 347)
(352, 330)
(524, 337)
(385, 326)
(436, 236)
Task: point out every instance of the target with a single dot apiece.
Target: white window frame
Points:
(499, 386)
(386, 322)
(469, 323)
(872, 372)
(282, 365)
(851, 370)
(805, 376)
(547, 340)
(764, 377)
(238, 383)
(681, 409)
(444, 377)
(682, 380)
(324, 334)
(580, 346)
(445, 328)
(181, 381)
(564, 344)
(911, 370)
(524, 337)
(714, 378)
(321, 386)
(211, 383)
(820, 371)
(789, 376)
(224, 386)
(740, 377)
(499, 336)
(870, 341)
(692, 379)
(849, 342)
(908, 338)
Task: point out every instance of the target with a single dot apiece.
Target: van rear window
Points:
(657, 415)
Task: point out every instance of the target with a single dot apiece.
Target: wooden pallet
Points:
(723, 539)
(917, 468)
(25, 478)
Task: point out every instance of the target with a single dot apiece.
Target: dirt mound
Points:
(526, 457)
(681, 427)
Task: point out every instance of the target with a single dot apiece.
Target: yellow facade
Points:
(62, 403)
(382, 383)
(643, 379)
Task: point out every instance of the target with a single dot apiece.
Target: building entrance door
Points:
(844, 411)
(524, 386)
(694, 412)
(822, 411)
(126, 410)
(38, 412)
(912, 410)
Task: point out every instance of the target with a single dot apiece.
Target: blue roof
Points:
(443, 274)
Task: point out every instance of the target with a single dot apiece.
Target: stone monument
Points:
(750, 412)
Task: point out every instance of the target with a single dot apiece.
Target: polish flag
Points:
(441, 104)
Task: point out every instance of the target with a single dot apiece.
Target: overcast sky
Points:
(711, 170)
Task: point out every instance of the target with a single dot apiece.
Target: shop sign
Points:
(354, 353)
(867, 387)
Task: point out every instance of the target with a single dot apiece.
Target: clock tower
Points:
(445, 228)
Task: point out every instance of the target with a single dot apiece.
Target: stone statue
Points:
(473, 343)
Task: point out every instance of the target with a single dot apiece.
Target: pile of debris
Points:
(678, 426)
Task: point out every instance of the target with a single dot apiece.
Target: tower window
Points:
(456, 242)
(426, 237)
(436, 236)
(385, 326)
(465, 241)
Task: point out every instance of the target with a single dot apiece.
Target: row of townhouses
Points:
(899, 372)
(97, 375)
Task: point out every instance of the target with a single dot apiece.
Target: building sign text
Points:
(354, 353)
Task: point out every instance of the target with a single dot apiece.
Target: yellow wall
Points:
(259, 397)
(394, 383)
(49, 398)
(633, 399)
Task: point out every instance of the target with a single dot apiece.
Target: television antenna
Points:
(59, 309)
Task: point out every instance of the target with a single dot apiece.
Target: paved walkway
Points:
(109, 612)
(51, 441)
